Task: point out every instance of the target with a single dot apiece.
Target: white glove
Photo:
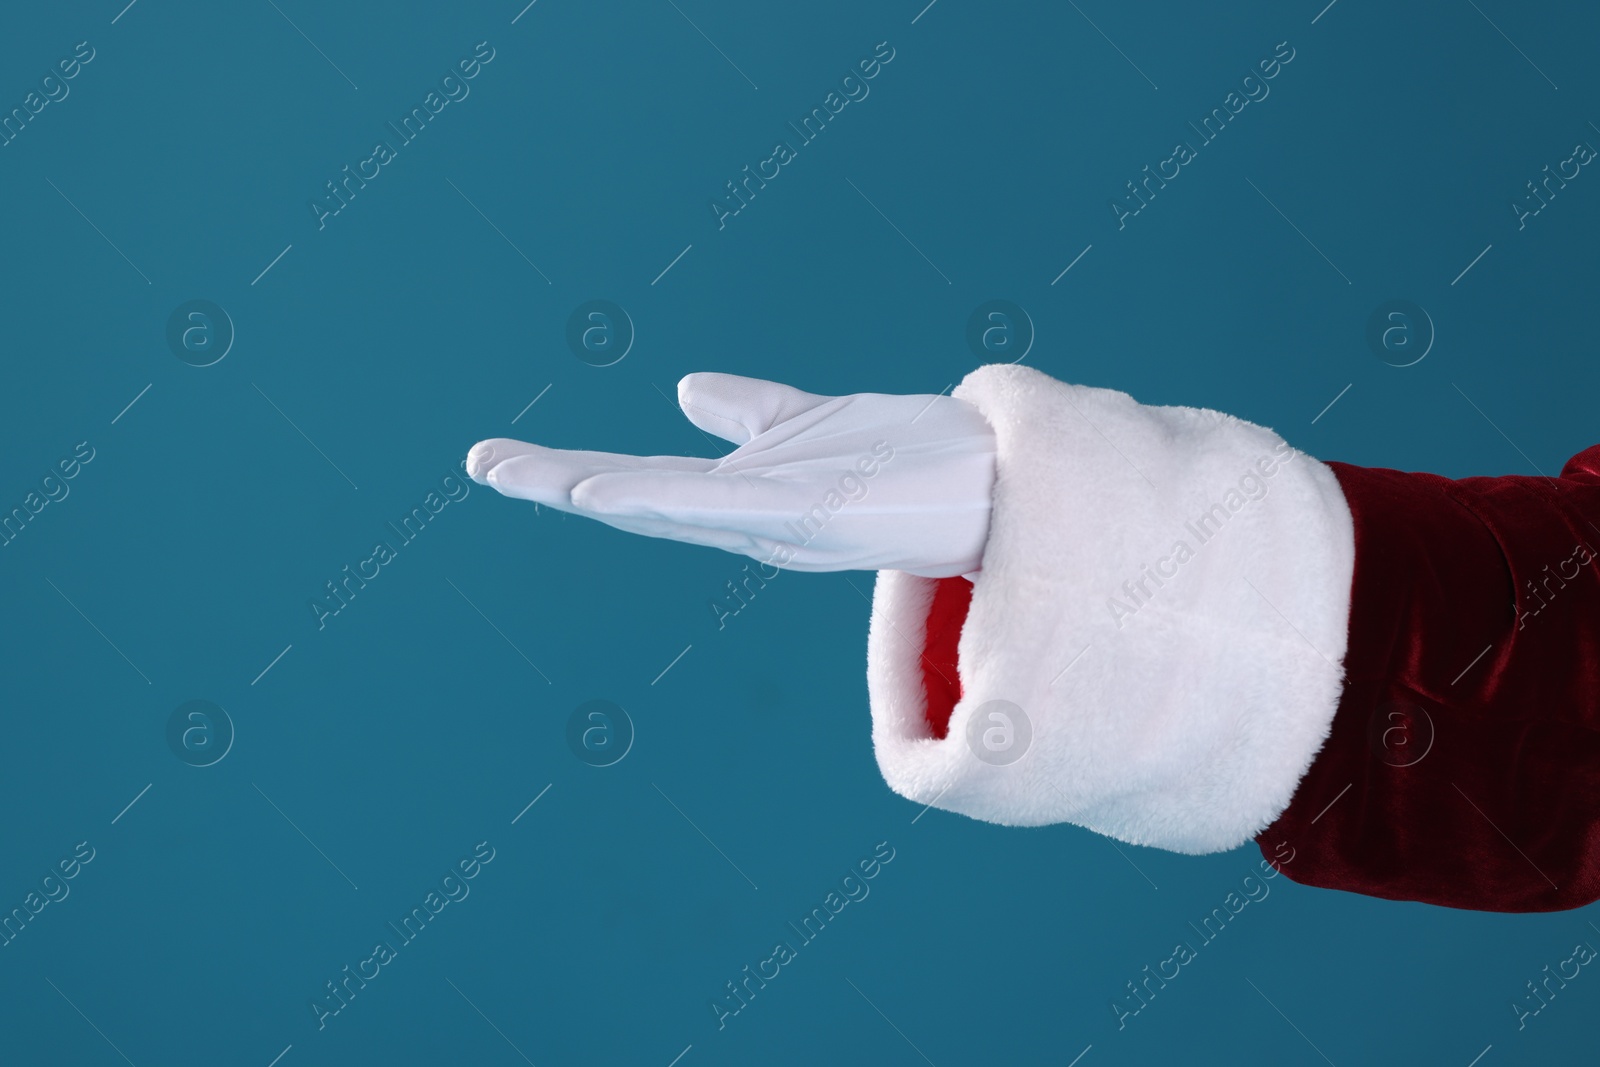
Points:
(870, 481)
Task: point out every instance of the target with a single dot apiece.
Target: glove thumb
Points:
(736, 408)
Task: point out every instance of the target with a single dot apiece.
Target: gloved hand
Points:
(870, 481)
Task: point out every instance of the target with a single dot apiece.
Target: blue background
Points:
(423, 718)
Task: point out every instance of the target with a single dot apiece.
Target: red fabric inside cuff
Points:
(940, 680)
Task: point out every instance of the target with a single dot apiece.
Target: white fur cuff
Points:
(1154, 642)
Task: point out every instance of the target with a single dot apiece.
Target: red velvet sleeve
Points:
(1463, 764)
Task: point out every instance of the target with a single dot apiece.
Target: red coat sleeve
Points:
(1463, 765)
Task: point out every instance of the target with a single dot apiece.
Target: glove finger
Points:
(736, 408)
(547, 475)
(755, 506)
(735, 541)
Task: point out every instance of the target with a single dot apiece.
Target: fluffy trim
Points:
(1164, 601)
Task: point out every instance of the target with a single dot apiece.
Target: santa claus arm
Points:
(1455, 760)
(1179, 630)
